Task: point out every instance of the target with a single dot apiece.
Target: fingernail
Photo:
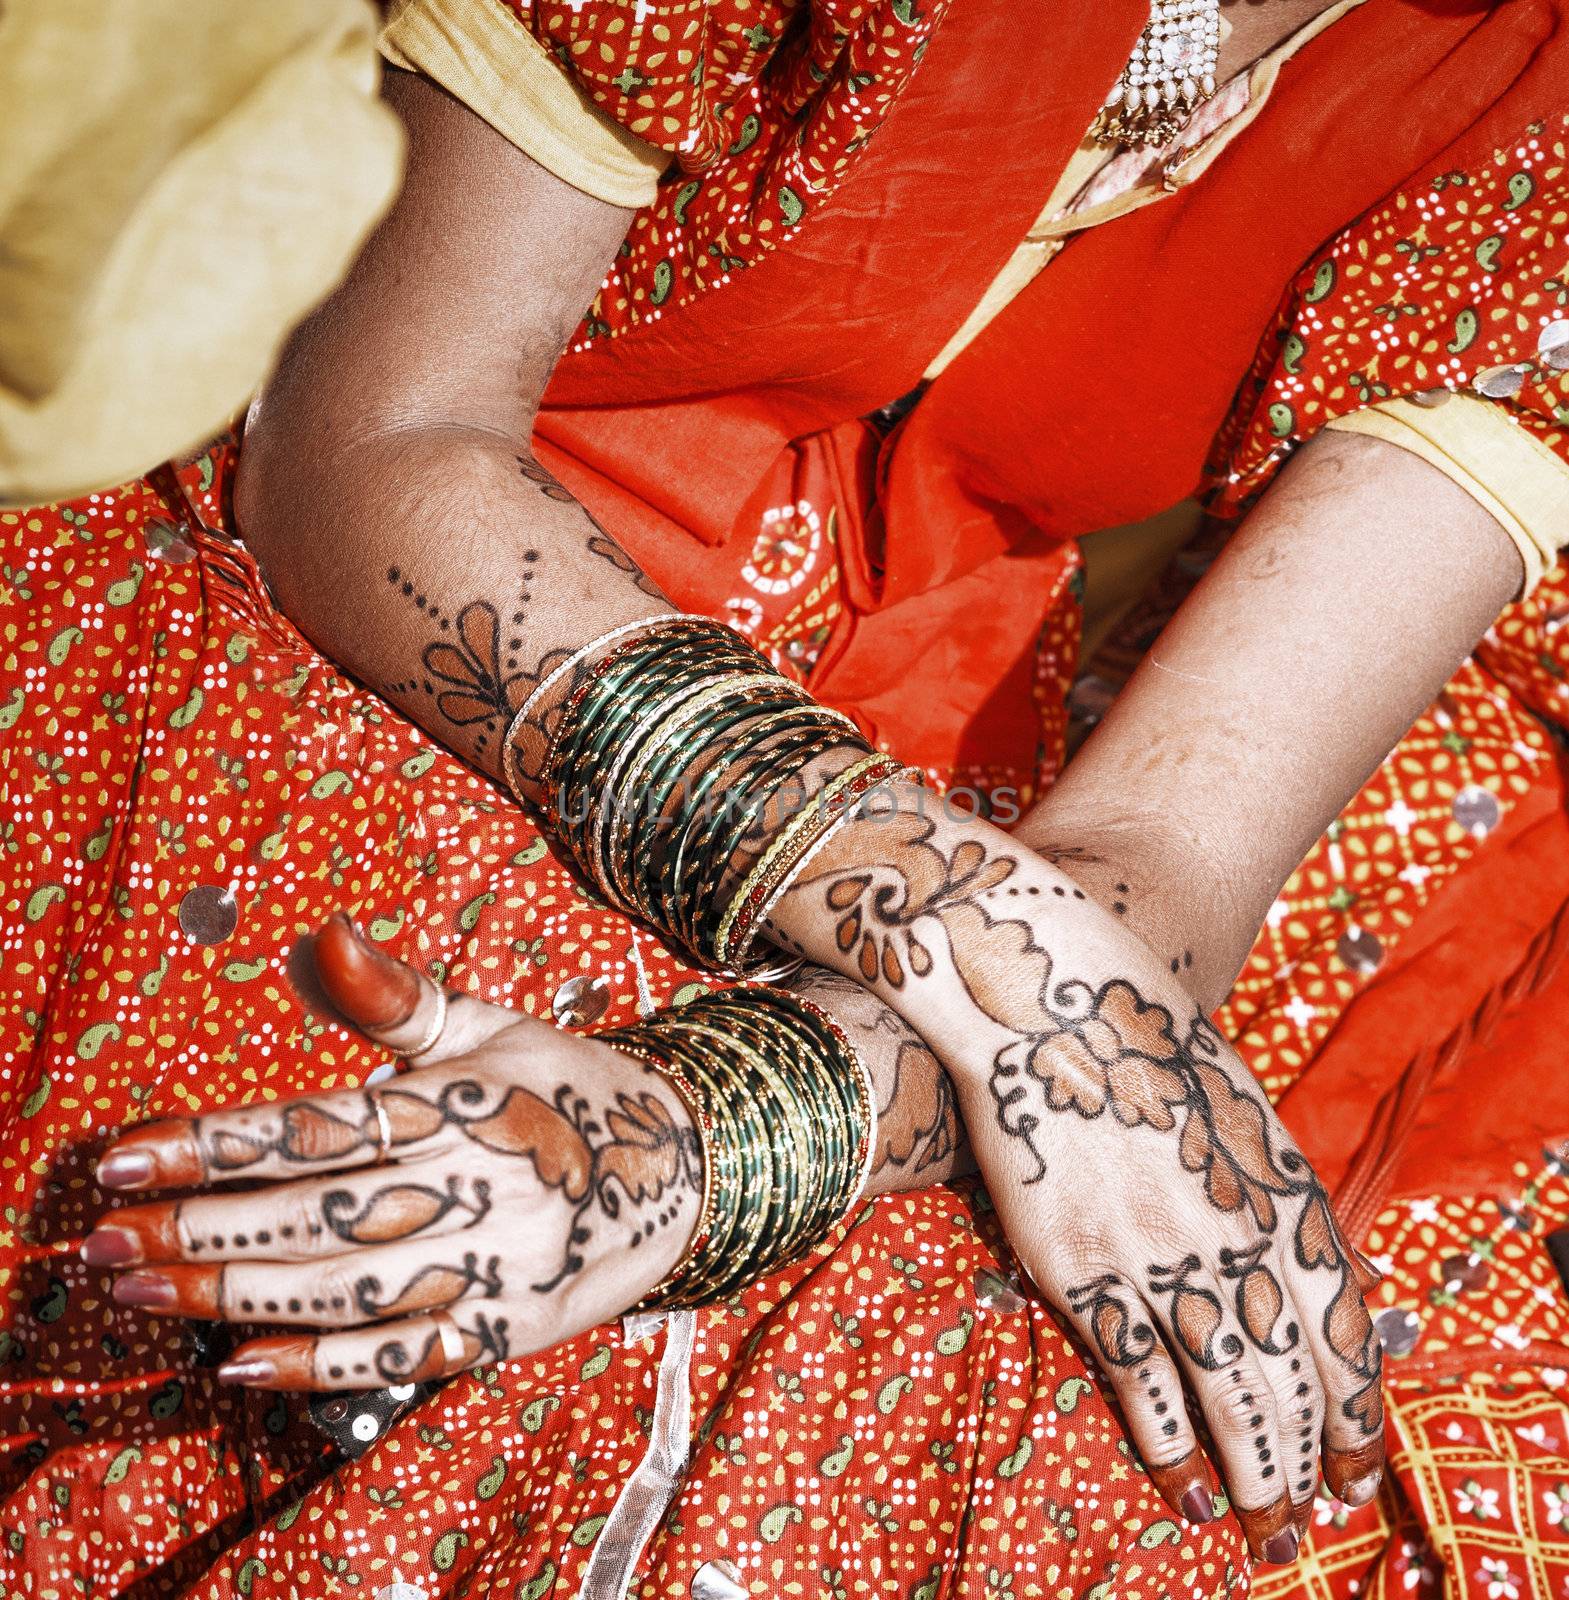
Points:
(1281, 1548)
(1363, 1490)
(1368, 1276)
(149, 1291)
(125, 1169)
(247, 1370)
(367, 985)
(110, 1247)
(1198, 1504)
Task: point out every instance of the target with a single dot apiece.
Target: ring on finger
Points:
(453, 1354)
(383, 1127)
(428, 1039)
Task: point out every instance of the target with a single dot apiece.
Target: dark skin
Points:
(389, 460)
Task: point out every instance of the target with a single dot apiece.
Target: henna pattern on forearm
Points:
(1100, 1050)
(599, 542)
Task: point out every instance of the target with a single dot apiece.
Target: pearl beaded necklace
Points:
(1171, 71)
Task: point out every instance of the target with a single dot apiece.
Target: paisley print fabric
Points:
(753, 150)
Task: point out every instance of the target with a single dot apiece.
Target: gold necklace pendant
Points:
(1171, 71)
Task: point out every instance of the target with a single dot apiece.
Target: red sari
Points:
(894, 1416)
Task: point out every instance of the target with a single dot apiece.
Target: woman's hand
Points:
(518, 1185)
(1141, 1176)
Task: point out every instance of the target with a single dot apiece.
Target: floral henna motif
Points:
(1318, 1247)
(1195, 1315)
(874, 922)
(1123, 1338)
(429, 1287)
(477, 687)
(1259, 1299)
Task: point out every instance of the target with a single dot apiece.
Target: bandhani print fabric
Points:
(753, 152)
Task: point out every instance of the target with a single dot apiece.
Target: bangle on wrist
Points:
(785, 1115)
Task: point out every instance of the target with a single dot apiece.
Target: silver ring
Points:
(428, 1039)
(453, 1355)
(383, 1129)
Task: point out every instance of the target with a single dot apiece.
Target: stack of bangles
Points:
(668, 755)
(784, 1112)
(669, 775)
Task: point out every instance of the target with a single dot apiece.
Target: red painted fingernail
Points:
(1198, 1504)
(148, 1291)
(125, 1169)
(111, 1247)
(367, 985)
(1363, 1490)
(1281, 1547)
(248, 1370)
(1368, 1274)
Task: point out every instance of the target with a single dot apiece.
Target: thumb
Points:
(395, 1004)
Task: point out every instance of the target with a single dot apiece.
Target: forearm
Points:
(433, 563)
(1336, 614)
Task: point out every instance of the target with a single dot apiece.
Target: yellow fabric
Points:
(482, 55)
(1501, 465)
(179, 184)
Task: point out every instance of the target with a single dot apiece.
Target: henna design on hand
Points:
(1259, 1299)
(400, 1210)
(1195, 1315)
(1104, 1050)
(646, 1158)
(918, 1124)
(1123, 1338)
(429, 1287)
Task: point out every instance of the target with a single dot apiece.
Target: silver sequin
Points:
(1501, 383)
(1090, 697)
(166, 541)
(1476, 810)
(1431, 398)
(1360, 950)
(209, 914)
(718, 1580)
(1552, 349)
(996, 1293)
(580, 1001)
(1398, 1330)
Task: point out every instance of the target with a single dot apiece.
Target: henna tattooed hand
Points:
(514, 1187)
(1141, 1175)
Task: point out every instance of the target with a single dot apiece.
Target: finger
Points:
(295, 1221)
(413, 1351)
(346, 1291)
(393, 1003)
(1236, 1400)
(1118, 1328)
(1346, 1352)
(1272, 1325)
(326, 1132)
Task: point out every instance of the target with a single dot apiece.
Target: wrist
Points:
(1196, 910)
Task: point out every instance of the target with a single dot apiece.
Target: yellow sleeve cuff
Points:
(480, 53)
(1501, 465)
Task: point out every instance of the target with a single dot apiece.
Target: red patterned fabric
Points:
(894, 1416)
